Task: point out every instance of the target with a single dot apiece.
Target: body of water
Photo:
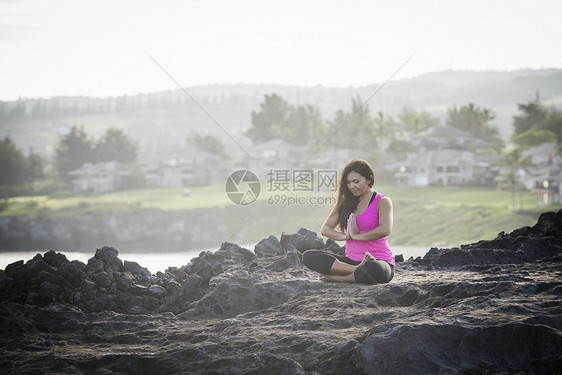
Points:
(155, 262)
(152, 261)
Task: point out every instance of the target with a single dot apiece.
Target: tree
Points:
(361, 127)
(273, 113)
(115, 145)
(402, 148)
(300, 126)
(532, 113)
(417, 122)
(72, 151)
(516, 165)
(476, 121)
(316, 126)
(552, 123)
(534, 137)
(385, 127)
(355, 129)
(278, 120)
(34, 165)
(12, 167)
(335, 126)
(207, 142)
(471, 119)
(537, 124)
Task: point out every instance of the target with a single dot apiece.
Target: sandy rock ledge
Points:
(483, 308)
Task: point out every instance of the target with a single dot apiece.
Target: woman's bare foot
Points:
(367, 258)
(350, 278)
(346, 274)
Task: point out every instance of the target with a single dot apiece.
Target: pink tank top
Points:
(367, 221)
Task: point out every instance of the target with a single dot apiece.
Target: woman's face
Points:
(357, 183)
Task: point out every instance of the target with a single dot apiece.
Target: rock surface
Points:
(483, 308)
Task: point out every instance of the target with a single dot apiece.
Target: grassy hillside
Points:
(434, 216)
(162, 120)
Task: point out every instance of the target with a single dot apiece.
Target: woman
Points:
(365, 219)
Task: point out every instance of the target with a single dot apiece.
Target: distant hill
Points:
(162, 120)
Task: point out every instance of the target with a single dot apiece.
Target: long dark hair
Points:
(346, 202)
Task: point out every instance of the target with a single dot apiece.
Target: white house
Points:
(548, 184)
(443, 137)
(276, 154)
(169, 173)
(543, 153)
(448, 137)
(187, 167)
(99, 177)
(333, 158)
(436, 167)
(545, 177)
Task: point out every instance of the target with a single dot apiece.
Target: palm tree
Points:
(516, 165)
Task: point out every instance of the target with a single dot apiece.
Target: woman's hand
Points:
(384, 209)
(352, 228)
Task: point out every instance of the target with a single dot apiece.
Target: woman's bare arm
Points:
(386, 219)
(329, 227)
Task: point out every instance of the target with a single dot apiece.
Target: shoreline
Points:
(255, 312)
(155, 262)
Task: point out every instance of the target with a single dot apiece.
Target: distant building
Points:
(543, 154)
(448, 137)
(443, 137)
(334, 158)
(544, 179)
(444, 167)
(169, 173)
(275, 154)
(187, 167)
(548, 184)
(99, 177)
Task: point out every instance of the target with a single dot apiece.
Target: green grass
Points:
(435, 216)
(414, 225)
(163, 199)
(447, 225)
(439, 216)
(455, 196)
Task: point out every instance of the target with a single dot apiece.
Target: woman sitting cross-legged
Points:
(365, 219)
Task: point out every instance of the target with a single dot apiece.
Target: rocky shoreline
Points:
(145, 230)
(483, 308)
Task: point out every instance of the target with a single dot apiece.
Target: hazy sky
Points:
(102, 47)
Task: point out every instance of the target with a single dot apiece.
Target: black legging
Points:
(372, 272)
